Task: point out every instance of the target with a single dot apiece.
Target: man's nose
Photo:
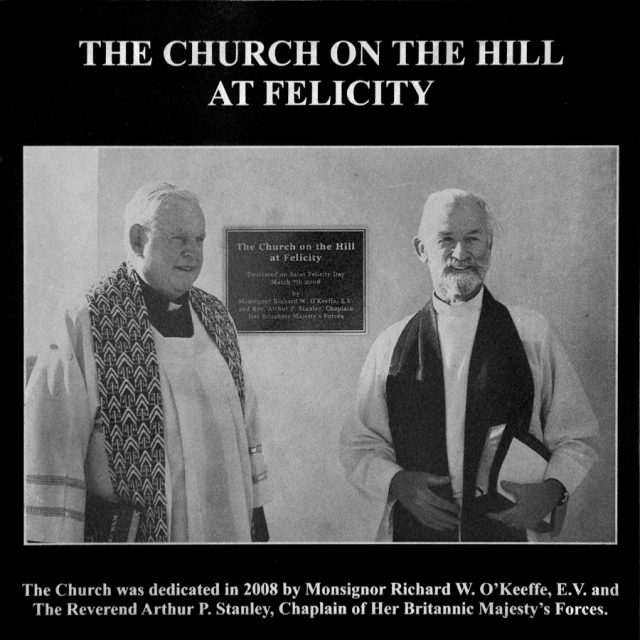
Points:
(459, 252)
(192, 248)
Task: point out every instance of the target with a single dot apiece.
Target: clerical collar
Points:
(171, 318)
(460, 308)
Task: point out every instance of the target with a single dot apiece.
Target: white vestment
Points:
(561, 417)
(457, 324)
(214, 477)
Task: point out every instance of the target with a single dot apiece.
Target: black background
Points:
(49, 98)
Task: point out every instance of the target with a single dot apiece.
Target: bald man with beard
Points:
(446, 392)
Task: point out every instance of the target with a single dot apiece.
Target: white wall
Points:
(60, 231)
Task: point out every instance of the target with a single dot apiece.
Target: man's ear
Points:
(421, 252)
(137, 239)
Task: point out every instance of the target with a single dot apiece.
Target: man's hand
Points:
(412, 489)
(533, 503)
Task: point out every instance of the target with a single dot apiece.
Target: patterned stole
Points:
(499, 391)
(130, 400)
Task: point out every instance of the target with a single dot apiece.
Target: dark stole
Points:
(499, 391)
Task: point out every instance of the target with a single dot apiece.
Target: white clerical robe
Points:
(457, 324)
(561, 417)
(214, 477)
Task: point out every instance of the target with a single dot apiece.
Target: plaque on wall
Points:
(301, 280)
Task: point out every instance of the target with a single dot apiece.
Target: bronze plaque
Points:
(296, 279)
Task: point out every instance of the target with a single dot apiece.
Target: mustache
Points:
(452, 266)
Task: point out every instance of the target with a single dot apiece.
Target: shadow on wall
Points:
(30, 362)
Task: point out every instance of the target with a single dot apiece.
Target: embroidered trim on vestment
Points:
(56, 481)
(54, 512)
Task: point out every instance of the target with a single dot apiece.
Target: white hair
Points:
(439, 199)
(150, 200)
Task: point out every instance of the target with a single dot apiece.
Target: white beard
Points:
(458, 285)
(461, 285)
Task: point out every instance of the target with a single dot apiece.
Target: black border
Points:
(51, 100)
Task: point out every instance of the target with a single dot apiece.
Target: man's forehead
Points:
(464, 212)
(178, 213)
